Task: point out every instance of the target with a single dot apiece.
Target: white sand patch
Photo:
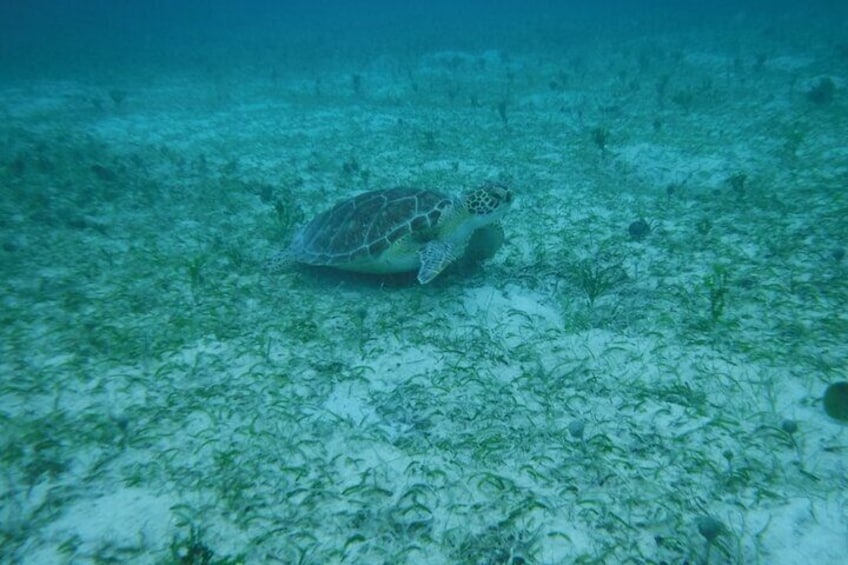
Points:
(515, 311)
(131, 517)
(802, 531)
(789, 63)
(660, 166)
(350, 403)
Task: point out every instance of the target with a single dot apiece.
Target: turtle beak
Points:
(499, 192)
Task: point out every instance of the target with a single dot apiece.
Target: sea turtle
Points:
(398, 230)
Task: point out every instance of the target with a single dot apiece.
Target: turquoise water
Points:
(635, 375)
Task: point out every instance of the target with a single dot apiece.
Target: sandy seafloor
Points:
(165, 398)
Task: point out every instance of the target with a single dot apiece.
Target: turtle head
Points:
(490, 202)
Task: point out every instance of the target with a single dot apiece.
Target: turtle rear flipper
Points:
(435, 256)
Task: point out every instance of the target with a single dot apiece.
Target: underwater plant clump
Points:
(736, 181)
(601, 138)
(822, 92)
(836, 401)
(596, 279)
(639, 229)
(709, 527)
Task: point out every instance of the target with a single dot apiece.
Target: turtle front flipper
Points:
(435, 256)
